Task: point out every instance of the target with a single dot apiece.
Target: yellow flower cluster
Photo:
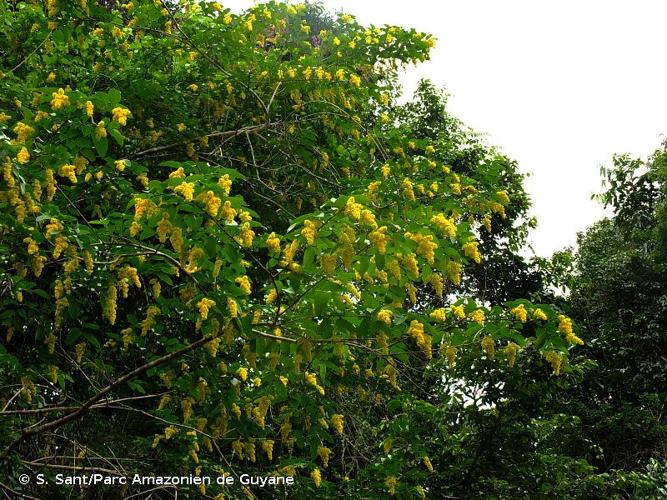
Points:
(68, 171)
(232, 307)
(565, 327)
(539, 314)
(338, 423)
(324, 453)
(23, 131)
(489, 346)
(309, 231)
(426, 247)
(23, 156)
(267, 447)
(510, 351)
(438, 284)
(408, 189)
(120, 115)
(520, 313)
(245, 236)
(353, 209)
(273, 243)
(244, 283)
(242, 373)
(212, 203)
(186, 189)
(379, 239)
(555, 360)
(471, 251)
(149, 321)
(423, 341)
(427, 463)
(111, 304)
(477, 316)
(390, 482)
(60, 99)
(385, 315)
(454, 271)
(450, 354)
(438, 314)
(126, 275)
(446, 226)
(204, 305)
(311, 379)
(316, 476)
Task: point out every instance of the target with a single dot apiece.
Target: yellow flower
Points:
(232, 306)
(390, 482)
(316, 476)
(120, 165)
(539, 314)
(386, 170)
(426, 247)
(338, 423)
(111, 304)
(353, 209)
(477, 316)
(179, 173)
(181, 127)
(427, 463)
(504, 197)
(489, 346)
(355, 80)
(225, 183)
(23, 131)
(227, 19)
(385, 315)
(204, 305)
(309, 231)
(60, 99)
(120, 115)
(445, 225)
(267, 446)
(510, 351)
(100, 131)
(242, 373)
(244, 283)
(324, 453)
(273, 243)
(471, 251)
(68, 171)
(458, 311)
(520, 313)
(379, 239)
(408, 190)
(186, 189)
(23, 156)
(438, 314)
(311, 379)
(555, 360)
(245, 236)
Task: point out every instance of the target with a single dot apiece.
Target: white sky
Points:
(560, 86)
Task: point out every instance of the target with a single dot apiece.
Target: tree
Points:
(218, 242)
(618, 295)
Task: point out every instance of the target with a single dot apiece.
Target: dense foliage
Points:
(226, 249)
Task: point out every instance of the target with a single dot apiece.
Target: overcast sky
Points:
(560, 86)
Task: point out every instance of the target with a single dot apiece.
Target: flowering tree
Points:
(216, 233)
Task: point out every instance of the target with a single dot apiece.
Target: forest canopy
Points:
(226, 248)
